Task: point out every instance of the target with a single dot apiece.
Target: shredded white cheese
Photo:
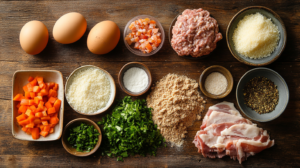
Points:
(255, 36)
(89, 90)
(215, 83)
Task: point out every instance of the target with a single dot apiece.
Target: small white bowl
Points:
(112, 87)
(20, 79)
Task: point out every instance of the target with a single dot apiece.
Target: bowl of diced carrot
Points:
(37, 105)
(144, 35)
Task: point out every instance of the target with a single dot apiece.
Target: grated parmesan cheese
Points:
(215, 83)
(89, 90)
(255, 36)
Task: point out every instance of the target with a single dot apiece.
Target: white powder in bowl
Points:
(215, 83)
(135, 79)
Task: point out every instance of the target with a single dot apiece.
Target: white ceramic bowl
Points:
(20, 79)
(112, 87)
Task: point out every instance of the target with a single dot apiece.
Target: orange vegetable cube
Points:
(32, 108)
(38, 114)
(52, 93)
(45, 123)
(50, 85)
(57, 105)
(48, 105)
(51, 110)
(25, 88)
(21, 117)
(37, 121)
(24, 129)
(39, 79)
(29, 87)
(18, 97)
(35, 133)
(25, 122)
(45, 118)
(30, 125)
(33, 82)
(44, 113)
(31, 102)
(51, 130)
(54, 120)
(18, 105)
(30, 78)
(23, 108)
(52, 100)
(31, 119)
(36, 89)
(44, 133)
(47, 128)
(32, 95)
(24, 102)
(29, 112)
(27, 95)
(44, 92)
(55, 87)
(29, 131)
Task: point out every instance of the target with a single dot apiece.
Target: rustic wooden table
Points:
(65, 58)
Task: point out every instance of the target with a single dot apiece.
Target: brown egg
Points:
(103, 37)
(34, 37)
(69, 28)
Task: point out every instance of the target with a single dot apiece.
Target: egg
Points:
(103, 37)
(34, 37)
(69, 28)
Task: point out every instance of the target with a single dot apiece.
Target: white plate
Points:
(20, 79)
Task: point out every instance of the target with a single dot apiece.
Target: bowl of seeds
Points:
(262, 94)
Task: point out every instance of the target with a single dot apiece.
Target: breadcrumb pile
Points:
(176, 104)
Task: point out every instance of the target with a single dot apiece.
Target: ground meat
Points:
(195, 33)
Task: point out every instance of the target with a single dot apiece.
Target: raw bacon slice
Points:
(226, 132)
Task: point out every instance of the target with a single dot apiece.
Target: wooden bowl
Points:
(138, 65)
(281, 86)
(72, 124)
(112, 88)
(275, 19)
(222, 70)
(20, 78)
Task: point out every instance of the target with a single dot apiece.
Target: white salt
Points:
(215, 83)
(135, 79)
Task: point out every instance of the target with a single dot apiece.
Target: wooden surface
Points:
(65, 58)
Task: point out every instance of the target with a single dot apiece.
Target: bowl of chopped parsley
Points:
(262, 94)
(81, 137)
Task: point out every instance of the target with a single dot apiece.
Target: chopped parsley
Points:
(83, 137)
(130, 130)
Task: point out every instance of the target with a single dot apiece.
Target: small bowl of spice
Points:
(135, 78)
(81, 137)
(262, 94)
(216, 82)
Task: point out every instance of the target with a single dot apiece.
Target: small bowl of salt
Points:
(216, 82)
(135, 78)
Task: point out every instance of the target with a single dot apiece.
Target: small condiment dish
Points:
(127, 31)
(75, 123)
(20, 78)
(128, 66)
(112, 87)
(281, 86)
(275, 20)
(222, 70)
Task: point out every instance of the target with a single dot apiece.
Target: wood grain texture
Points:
(65, 58)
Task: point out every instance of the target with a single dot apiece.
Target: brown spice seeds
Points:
(261, 95)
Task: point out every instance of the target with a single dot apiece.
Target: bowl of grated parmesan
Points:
(90, 90)
(256, 36)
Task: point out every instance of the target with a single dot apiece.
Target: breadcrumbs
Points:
(176, 104)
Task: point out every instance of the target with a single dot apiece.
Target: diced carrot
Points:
(33, 82)
(37, 121)
(54, 120)
(42, 85)
(21, 117)
(29, 112)
(25, 88)
(52, 100)
(40, 79)
(18, 97)
(28, 131)
(31, 102)
(27, 95)
(149, 47)
(32, 95)
(23, 108)
(40, 97)
(52, 93)
(31, 118)
(36, 100)
(50, 85)
(48, 105)
(36, 89)
(51, 110)
(47, 128)
(44, 113)
(45, 118)
(40, 94)
(18, 105)
(33, 108)
(30, 78)
(24, 102)
(55, 87)
(45, 122)
(44, 133)
(25, 122)
(24, 129)
(57, 105)
(52, 125)
(30, 125)
(38, 114)
(41, 126)
(51, 130)
(44, 92)
(35, 133)
(29, 87)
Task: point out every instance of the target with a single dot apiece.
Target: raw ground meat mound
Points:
(195, 33)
